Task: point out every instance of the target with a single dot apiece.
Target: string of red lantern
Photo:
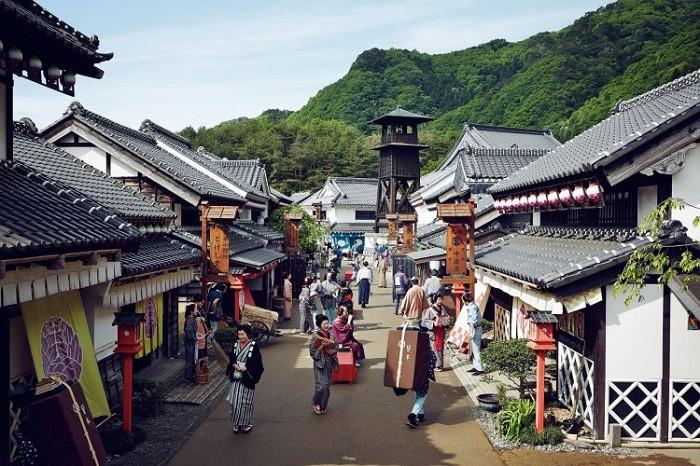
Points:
(564, 197)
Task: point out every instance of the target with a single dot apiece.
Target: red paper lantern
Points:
(579, 195)
(497, 205)
(523, 202)
(532, 200)
(594, 193)
(553, 198)
(542, 200)
(509, 204)
(565, 197)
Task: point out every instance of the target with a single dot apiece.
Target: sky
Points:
(181, 63)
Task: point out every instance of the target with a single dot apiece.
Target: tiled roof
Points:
(258, 257)
(159, 253)
(26, 18)
(634, 121)
(427, 254)
(401, 113)
(39, 215)
(498, 137)
(61, 166)
(492, 164)
(262, 231)
(283, 198)
(246, 180)
(298, 197)
(550, 257)
(359, 227)
(424, 231)
(345, 191)
(145, 147)
(239, 243)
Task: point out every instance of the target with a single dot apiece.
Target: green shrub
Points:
(515, 417)
(226, 338)
(512, 358)
(486, 325)
(551, 435)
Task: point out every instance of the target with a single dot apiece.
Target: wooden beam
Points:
(59, 263)
(665, 410)
(3, 269)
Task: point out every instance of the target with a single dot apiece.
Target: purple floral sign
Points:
(150, 314)
(61, 353)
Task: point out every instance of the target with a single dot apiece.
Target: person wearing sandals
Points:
(244, 369)
(437, 315)
(323, 349)
(305, 306)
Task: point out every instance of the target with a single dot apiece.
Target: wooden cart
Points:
(263, 321)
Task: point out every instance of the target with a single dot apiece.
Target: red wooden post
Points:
(457, 292)
(541, 340)
(127, 393)
(128, 344)
(539, 418)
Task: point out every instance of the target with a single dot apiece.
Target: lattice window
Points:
(575, 382)
(16, 412)
(635, 405)
(685, 411)
(501, 323)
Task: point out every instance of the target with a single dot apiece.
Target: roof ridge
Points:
(505, 151)
(76, 108)
(148, 126)
(508, 128)
(675, 85)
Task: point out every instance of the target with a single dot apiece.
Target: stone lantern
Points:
(541, 339)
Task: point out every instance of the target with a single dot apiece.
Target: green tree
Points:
(311, 232)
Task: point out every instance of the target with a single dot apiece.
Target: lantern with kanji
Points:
(541, 339)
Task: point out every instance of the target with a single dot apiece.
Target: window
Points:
(619, 210)
(364, 215)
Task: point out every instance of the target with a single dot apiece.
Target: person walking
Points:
(328, 290)
(417, 413)
(245, 367)
(364, 283)
(190, 342)
(323, 349)
(287, 293)
(432, 285)
(383, 266)
(343, 333)
(415, 302)
(344, 296)
(474, 322)
(439, 318)
(401, 286)
(305, 305)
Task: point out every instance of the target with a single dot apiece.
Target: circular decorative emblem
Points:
(61, 353)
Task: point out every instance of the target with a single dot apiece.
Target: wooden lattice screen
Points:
(501, 325)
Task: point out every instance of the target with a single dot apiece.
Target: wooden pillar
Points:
(203, 212)
(409, 232)
(293, 222)
(237, 286)
(6, 117)
(393, 237)
(665, 410)
(5, 379)
(127, 392)
(539, 400)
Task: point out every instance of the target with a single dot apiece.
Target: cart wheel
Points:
(261, 332)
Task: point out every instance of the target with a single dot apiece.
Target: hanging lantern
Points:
(542, 200)
(523, 202)
(579, 195)
(509, 204)
(532, 200)
(52, 73)
(497, 204)
(565, 197)
(553, 198)
(67, 80)
(594, 192)
(15, 57)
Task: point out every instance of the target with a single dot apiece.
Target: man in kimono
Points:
(474, 322)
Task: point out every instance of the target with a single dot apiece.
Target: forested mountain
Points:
(565, 81)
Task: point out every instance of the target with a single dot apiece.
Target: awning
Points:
(538, 299)
(130, 293)
(258, 258)
(427, 255)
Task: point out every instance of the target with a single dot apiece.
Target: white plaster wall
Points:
(685, 186)
(20, 354)
(536, 219)
(646, 201)
(425, 215)
(90, 155)
(331, 216)
(633, 336)
(347, 215)
(684, 344)
(3, 121)
(119, 169)
(104, 334)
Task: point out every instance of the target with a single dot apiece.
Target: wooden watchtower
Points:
(399, 166)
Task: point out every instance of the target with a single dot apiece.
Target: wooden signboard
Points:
(219, 249)
(456, 244)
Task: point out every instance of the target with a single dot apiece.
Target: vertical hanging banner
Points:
(152, 328)
(456, 245)
(60, 342)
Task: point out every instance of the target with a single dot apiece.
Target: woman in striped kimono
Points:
(244, 369)
(323, 349)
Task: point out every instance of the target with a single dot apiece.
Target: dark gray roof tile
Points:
(160, 253)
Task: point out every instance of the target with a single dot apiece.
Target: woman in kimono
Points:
(190, 342)
(287, 292)
(343, 334)
(244, 369)
(437, 315)
(305, 305)
(323, 349)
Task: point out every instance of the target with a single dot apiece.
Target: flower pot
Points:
(488, 402)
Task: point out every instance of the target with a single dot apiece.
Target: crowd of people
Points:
(326, 314)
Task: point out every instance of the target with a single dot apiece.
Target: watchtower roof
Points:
(400, 115)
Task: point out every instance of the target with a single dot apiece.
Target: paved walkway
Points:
(365, 421)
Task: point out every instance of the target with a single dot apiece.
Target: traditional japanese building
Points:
(348, 207)
(619, 364)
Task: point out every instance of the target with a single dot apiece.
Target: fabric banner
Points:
(152, 328)
(60, 342)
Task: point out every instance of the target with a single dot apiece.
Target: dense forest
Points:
(564, 81)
